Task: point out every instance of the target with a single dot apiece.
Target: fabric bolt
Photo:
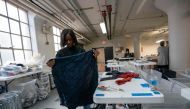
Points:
(76, 78)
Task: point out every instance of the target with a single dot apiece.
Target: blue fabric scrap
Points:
(99, 94)
(142, 94)
(156, 92)
(145, 85)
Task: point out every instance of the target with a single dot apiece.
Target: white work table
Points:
(126, 58)
(115, 65)
(11, 78)
(185, 93)
(142, 63)
(137, 91)
(133, 92)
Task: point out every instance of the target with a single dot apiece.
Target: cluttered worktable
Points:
(136, 91)
(142, 63)
(5, 79)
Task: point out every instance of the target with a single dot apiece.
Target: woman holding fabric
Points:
(70, 48)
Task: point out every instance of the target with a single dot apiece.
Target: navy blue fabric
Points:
(76, 78)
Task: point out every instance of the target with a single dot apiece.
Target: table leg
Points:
(100, 106)
(135, 106)
(172, 86)
(114, 106)
(50, 82)
(139, 106)
(6, 86)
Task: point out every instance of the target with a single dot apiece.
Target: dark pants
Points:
(161, 67)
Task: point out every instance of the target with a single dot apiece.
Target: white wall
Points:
(148, 46)
(115, 42)
(129, 44)
(43, 48)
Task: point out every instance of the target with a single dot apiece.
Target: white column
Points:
(179, 31)
(136, 44)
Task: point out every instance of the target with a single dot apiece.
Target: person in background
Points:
(167, 43)
(167, 47)
(163, 57)
(69, 46)
(127, 54)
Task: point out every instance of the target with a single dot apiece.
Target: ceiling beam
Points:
(115, 15)
(77, 12)
(141, 6)
(29, 5)
(130, 11)
(147, 18)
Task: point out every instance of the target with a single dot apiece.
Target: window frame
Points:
(21, 34)
(58, 37)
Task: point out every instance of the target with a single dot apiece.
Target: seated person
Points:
(127, 54)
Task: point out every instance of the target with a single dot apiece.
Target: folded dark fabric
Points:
(76, 78)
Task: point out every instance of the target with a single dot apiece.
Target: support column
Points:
(179, 32)
(136, 44)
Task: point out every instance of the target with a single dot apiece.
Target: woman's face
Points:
(69, 40)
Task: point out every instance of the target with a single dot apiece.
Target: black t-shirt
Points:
(69, 51)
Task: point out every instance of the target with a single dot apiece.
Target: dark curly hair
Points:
(63, 36)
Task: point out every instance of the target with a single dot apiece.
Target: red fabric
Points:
(126, 77)
(129, 74)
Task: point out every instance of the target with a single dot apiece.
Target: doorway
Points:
(105, 53)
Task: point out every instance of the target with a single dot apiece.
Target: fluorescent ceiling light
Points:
(158, 41)
(103, 27)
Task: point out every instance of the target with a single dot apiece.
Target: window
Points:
(56, 37)
(15, 39)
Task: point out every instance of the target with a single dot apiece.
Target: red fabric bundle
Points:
(126, 77)
(129, 74)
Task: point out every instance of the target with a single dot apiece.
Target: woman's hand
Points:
(96, 53)
(50, 63)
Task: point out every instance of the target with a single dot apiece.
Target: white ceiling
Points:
(128, 16)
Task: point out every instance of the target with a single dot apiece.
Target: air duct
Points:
(109, 9)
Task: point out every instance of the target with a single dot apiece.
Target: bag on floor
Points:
(28, 92)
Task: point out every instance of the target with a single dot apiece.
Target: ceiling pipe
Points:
(115, 16)
(109, 10)
(62, 15)
(75, 8)
(65, 11)
(104, 16)
(56, 10)
(140, 6)
(29, 5)
(147, 18)
(37, 7)
(130, 11)
(43, 5)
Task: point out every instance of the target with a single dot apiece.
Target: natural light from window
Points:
(56, 37)
(15, 39)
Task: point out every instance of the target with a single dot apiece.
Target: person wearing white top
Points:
(163, 56)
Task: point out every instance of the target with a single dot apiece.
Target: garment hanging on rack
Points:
(76, 78)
